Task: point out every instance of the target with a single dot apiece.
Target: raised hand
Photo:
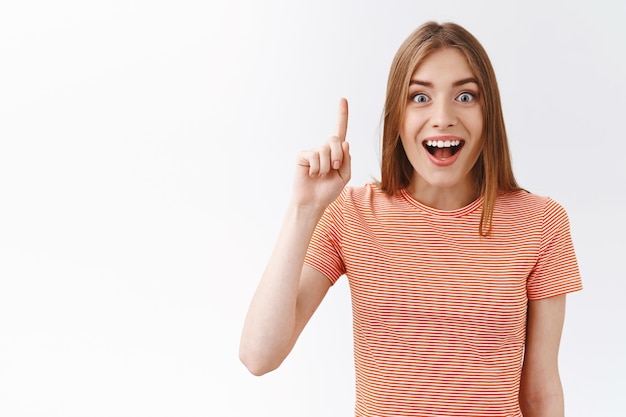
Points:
(322, 173)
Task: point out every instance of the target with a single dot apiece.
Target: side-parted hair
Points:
(492, 172)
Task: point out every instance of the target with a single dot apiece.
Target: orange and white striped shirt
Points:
(439, 312)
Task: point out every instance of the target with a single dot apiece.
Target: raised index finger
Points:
(342, 120)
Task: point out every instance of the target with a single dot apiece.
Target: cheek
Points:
(411, 125)
(474, 125)
(479, 126)
(404, 143)
(479, 123)
(478, 134)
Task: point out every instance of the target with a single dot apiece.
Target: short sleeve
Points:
(324, 252)
(556, 271)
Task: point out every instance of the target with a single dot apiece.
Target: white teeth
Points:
(443, 144)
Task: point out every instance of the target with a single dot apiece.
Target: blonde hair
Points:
(492, 172)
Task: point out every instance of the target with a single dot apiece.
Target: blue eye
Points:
(420, 98)
(466, 97)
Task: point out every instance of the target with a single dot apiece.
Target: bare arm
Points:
(541, 393)
(285, 299)
(290, 292)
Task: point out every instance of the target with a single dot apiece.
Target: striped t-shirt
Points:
(439, 312)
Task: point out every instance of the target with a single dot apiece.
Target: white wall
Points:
(146, 151)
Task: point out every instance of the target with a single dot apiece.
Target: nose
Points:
(443, 115)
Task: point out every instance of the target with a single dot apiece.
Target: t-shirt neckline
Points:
(470, 208)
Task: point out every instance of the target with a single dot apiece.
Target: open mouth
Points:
(442, 149)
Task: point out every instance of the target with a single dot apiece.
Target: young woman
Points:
(458, 276)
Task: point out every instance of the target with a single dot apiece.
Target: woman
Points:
(458, 276)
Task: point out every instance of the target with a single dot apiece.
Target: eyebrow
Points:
(454, 84)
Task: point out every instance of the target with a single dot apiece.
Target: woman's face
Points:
(443, 124)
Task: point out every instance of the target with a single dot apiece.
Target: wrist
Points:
(306, 210)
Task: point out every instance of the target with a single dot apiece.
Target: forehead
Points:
(443, 66)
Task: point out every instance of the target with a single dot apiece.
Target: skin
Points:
(541, 393)
(443, 102)
(289, 291)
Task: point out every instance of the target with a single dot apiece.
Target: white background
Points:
(146, 152)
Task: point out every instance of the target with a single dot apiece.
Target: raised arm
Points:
(290, 292)
(541, 393)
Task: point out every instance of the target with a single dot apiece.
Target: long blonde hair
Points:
(492, 172)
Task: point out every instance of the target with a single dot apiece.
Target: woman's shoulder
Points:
(368, 192)
(521, 197)
(526, 202)
(367, 197)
